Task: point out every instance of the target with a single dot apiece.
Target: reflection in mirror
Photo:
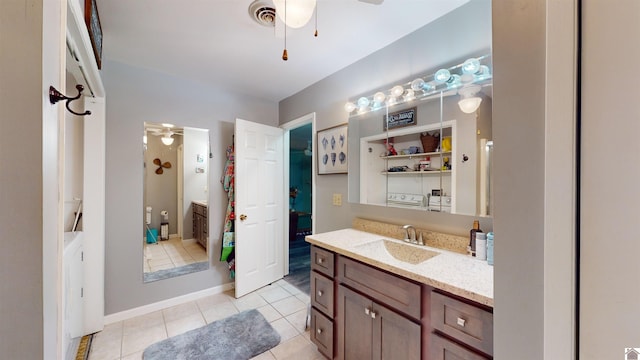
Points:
(176, 184)
(427, 147)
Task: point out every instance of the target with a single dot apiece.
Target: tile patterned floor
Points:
(282, 304)
(167, 254)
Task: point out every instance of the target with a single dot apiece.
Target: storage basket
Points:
(429, 142)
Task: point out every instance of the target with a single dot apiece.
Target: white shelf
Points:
(409, 156)
(406, 173)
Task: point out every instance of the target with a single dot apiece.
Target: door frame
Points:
(287, 127)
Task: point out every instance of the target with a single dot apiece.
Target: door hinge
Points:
(81, 255)
(81, 292)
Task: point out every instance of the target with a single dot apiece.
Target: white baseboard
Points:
(149, 308)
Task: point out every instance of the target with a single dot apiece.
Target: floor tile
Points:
(134, 356)
(274, 294)
(288, 306)
(297, 348)
(180, 311)
(264, 356)
(285, 329)
(249, 301)
(210, 301)
(140, 340)
(220, 311)
(269, 313)
(182, 325)
(298, 320)
(140, 323)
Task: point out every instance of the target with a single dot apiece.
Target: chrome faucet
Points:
(409, 237)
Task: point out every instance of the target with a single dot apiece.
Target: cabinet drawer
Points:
(322, 261)
(399, 293)
(322, 293)
(443, 349)
(465, 322)
(321, 333)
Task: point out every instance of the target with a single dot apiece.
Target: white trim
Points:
(149, 308)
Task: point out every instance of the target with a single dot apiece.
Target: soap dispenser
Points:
(472, 237)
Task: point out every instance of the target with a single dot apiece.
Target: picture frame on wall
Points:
(332, 151)
(398, 119)
(92, 19)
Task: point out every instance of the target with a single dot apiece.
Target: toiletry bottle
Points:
(481, 246)
(490, 248)
(472, 237)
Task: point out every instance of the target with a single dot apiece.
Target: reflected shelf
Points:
(405, 173)
(420, 155)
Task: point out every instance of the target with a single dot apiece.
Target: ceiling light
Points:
(349, 107)
(167, 125)
(298, 12)
(167, 140)
(469, 102)
(397, 91)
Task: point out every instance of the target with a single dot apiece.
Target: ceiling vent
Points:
(263, 13)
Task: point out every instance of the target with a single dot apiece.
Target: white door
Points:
(259, 205)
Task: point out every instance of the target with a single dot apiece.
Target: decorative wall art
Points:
(332, 150)
(399, 119)
(92, 19)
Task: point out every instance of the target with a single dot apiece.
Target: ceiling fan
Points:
(165, 130)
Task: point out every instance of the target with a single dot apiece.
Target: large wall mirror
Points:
(426, 144)
(175, 201)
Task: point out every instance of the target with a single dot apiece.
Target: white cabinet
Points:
(397, 180)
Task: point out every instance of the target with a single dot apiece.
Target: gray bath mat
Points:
(238, 337)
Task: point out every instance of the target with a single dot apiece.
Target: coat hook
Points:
(55, 96)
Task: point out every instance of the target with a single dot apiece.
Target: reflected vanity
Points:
(175, 201)
(426, 144)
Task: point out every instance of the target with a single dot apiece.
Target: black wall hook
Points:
(55, 96)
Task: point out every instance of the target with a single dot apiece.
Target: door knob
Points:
(243, 217)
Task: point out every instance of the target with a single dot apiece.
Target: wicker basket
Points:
(429, 142)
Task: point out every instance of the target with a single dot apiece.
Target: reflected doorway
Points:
(300, 205)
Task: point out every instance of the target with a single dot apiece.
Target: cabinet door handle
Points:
(319, 331)
(373, 314)
(367, 311)
(320, 260)
(461, 321)
(320, 293)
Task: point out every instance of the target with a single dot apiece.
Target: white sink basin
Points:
(404, 252)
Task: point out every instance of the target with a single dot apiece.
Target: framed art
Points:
(332, 151)
(92, 19)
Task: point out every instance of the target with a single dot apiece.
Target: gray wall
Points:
(137, 95)
(453, 38)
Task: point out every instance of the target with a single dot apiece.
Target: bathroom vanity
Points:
(200, 220)
(376, 297)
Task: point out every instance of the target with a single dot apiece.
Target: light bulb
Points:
(471, 66)
(363, 102)
(379, 97)
(349, 107)
(298, 13)
(397, 91)
(417, 84)
(454, 81)
(410, 95)
(167, 140)
(441, 76)
(484, 73)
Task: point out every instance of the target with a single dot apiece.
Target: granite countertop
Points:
(200, 202)
(455, 273)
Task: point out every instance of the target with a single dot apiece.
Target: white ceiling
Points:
(218, 42)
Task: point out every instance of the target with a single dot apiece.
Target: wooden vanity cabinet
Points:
(362, 312)
(322, 300)
(200, 223)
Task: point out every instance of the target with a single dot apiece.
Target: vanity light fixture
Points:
(463, 79)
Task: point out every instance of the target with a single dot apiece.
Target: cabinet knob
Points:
(320, 260)
(367, 311)
(320, 293)
(319, 331)
(461, 321)
(243, 217)
(373, 314)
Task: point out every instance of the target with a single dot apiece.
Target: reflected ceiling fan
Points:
(165, 130)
